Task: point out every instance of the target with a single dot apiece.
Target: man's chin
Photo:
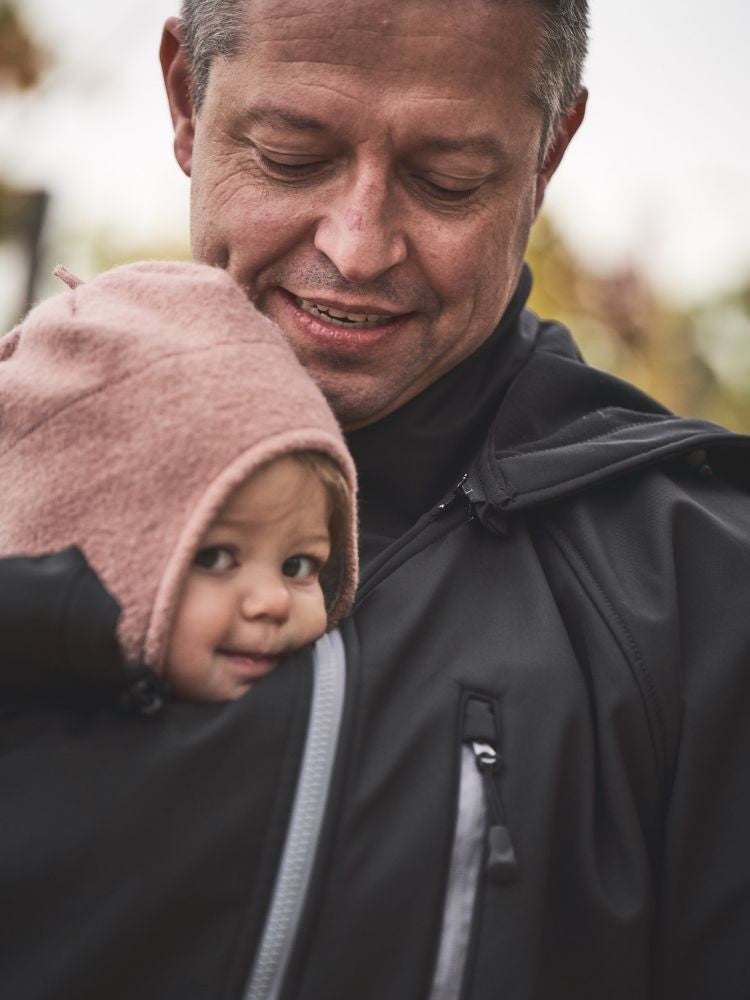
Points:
(355, 401)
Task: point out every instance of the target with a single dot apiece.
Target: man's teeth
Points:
(340, 318)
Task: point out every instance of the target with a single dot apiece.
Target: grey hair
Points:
(563, 53)
(213, 28)
(210, 28)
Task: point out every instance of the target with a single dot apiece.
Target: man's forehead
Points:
(384, 9)
(449, 50)
(327, 20)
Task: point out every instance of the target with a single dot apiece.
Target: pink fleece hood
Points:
(130, 408)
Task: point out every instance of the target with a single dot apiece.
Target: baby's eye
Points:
(215, 558)
(300, 567)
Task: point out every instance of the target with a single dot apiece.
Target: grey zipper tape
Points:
(300, 848)
(463, 880)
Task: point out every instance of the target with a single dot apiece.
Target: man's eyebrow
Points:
(287, 120)
(282, 118)
(482, 145)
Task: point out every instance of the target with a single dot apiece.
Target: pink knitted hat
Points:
(130, 408)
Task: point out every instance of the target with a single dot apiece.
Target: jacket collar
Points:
(563, 427)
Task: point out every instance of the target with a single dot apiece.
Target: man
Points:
(553, 603)
(530, 777)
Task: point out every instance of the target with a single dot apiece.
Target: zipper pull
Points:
(502, 865)
(461, 492)
(145, 695)
(480, 732)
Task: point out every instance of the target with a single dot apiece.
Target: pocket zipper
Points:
(301, 844)
(480, 835)
(501, 856)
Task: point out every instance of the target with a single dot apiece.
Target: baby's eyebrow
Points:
(316, 539)
(229, 522)
(243, 524)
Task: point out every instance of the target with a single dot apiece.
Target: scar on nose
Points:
(354, 219)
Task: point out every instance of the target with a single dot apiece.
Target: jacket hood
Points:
(130, 407)
(563, 427)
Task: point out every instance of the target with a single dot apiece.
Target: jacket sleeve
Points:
(138, 853)
(702, 940)
(671, 552)
(58, 626)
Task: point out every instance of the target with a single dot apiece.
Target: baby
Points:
(254, 589)
(155, 421)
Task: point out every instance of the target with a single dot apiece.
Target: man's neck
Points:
(410, 459)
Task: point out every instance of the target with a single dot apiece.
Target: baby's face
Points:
(253, 592)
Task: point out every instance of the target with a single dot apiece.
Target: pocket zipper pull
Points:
(502, 866)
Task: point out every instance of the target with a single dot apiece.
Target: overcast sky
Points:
(658, 176)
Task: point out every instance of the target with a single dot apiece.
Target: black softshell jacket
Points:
(522, 770)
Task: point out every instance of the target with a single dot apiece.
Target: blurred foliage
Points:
(697, 362)
(22, 212)
(22, 59)
(107, 251)
(21, 63)
(16, 207)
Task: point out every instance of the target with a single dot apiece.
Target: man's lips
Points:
(343, 326)
(353, 330)
(362, 316)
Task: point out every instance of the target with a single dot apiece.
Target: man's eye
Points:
(300, 567)
(449, 194)
(215, 558)
(296, 171)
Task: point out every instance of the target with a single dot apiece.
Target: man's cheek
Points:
(262, 231)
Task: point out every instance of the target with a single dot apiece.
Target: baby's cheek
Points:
(317, 619)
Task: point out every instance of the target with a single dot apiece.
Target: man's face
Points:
(368, 171)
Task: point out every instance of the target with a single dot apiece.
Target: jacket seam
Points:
(640, 460)
(619, 627)
(596, 437)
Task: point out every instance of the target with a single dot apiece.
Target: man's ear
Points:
(177, 80)
(566, 129)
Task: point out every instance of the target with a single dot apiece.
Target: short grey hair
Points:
(563, 53)
(213, 28)
(209, 28)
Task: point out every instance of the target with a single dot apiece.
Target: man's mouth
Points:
(338, 317)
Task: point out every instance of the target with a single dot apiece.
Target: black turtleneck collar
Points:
(409, 460)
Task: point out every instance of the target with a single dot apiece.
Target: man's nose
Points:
(360, 232)
(265, 598)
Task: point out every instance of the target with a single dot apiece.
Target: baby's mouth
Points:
(255, 663)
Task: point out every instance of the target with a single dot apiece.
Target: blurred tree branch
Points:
(22, 59)
(695, 361)
(22, 213)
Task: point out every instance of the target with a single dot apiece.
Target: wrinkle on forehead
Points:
(370, 28)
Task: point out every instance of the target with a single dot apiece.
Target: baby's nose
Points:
(266, 598)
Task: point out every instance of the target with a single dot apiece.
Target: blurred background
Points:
(643, 247)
